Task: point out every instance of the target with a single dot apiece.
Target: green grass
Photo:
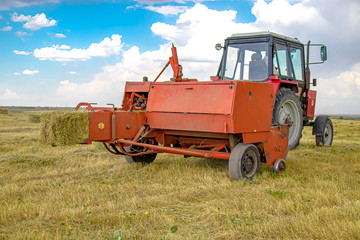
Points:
(84, 192)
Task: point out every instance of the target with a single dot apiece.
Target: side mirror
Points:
(314, 83)
(323, 53)
(218, 46)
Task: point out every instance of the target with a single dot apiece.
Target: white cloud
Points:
(22, 34)
(167, 10)
(6, 29)
(59, 35)
(30, 72)
(7, 4)
(340, 94)
(72, 73)
(21, 52)
(8, 95)
(17, 74)
(33, 23)
(63, 53)
(285, 13)
(65, 47)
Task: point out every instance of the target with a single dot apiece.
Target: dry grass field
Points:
(84, 192)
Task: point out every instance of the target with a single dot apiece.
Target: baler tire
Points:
(287, 109)
(144, 159)
(244, 161)
(326, 138)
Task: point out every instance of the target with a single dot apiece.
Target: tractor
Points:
(253, 110)
(272, 58)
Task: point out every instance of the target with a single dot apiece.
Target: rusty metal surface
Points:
(276, 146)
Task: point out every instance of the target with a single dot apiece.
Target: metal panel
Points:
(253, 107)
(190, 122)
(191, 98)
(137, 86)
(311, 103)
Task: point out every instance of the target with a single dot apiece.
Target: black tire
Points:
(287, 109)
(244, 161)
(326, 138)
(144, 159)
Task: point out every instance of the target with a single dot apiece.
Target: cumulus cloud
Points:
(63, 53)
(30, 72)
(21, 52)
(8, 95)
(6, 29)
(167, 10)
(72, 73)
(340, 94)
(59, 35)
(33, 23)
(7, 4)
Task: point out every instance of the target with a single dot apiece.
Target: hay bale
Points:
(64, 127)
(34, 118)
(4, 111)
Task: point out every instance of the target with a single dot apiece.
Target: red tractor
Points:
(272, 58)
(244, 115)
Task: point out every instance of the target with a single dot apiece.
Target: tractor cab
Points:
(258, 56)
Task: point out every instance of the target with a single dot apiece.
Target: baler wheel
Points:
(279, 166)
(244, 161)
(287, 109)
(144, 159)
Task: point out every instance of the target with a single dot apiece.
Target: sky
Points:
(61, 52)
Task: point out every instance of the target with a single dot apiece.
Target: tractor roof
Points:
(263, 34)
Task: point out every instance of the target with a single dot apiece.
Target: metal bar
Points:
(162, 71)
(192, 152)
(141, 130)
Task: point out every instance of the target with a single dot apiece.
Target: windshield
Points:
(246, 61)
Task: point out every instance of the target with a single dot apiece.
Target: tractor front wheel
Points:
(324, 131)
(287, 109)
(244, 161)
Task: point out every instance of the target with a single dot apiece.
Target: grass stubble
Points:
(83, 192)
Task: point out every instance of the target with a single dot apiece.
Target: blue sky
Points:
(60, 52)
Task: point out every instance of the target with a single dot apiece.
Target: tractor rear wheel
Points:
(244, 161)
(144, 159)
(287, 109)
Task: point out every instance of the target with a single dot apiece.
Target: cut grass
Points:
(84, 192)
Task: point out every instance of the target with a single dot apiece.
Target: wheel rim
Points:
(248, 163)
(279, 166)
(289, 113)
(327, 134)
